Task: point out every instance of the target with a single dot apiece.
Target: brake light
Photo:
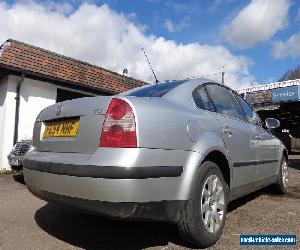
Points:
(119, 128)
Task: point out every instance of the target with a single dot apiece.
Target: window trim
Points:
(261, 123)
(214, 108)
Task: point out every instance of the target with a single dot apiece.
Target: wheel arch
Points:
(221, 160)
(285, 153)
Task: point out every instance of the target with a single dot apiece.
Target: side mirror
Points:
(272, 123)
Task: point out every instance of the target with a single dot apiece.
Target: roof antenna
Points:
(156, 80)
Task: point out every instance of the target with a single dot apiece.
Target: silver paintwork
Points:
(212, 204)
(87, 140)
(171, 131)
(113, 190)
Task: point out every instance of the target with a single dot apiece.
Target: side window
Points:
(246, 107)
(250, 114)
(224, 101)
(201, 98)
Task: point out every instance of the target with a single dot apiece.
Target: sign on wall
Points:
(259, 97)
(285, 94)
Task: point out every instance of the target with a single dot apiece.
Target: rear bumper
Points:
(108, 172)
(114, 182)
(158, 211)
(102, 189)
(113, 175)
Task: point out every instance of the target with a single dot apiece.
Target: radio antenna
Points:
(156, 80)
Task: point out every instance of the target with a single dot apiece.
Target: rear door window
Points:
(224, 102)
(248, 111)
(201, 99)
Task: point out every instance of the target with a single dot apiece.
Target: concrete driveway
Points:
(29, 223)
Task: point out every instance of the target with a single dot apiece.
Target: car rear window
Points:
(155, 90)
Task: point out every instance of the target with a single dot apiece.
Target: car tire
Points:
(282, 178)
(195, 225)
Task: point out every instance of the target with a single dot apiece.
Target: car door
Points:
(238, 136)
(266, 144)
(267, 165)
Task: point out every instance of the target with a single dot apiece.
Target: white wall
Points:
(8, 121)
(35, 95)
(3, 90)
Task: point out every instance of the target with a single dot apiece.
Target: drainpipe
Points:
(17, 98)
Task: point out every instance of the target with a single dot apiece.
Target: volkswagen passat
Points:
(177, 151)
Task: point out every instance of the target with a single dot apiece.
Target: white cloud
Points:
(99, 35)
(288, 48)
(258, 21)
(171, 27)
(61, 7)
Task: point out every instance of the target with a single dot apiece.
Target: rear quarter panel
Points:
(165, 124)
(161, 124)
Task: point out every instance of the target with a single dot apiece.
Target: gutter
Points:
(17, 115)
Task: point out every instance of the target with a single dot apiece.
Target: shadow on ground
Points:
(93, 232)
(294, 163)
(19, 177)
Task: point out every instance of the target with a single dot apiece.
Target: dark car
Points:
(15, 157)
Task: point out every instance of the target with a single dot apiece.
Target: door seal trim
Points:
(254, 163)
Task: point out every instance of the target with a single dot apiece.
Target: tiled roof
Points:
(29, 59)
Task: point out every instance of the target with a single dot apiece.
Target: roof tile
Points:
(24, 57)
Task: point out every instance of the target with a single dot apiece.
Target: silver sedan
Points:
(178, 151)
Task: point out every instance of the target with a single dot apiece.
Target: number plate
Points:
(66, 128)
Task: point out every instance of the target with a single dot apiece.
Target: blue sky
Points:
(264, 42)
(203, 21)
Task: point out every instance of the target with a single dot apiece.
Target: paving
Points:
(27, 222)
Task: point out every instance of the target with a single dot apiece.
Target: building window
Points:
(64, 95)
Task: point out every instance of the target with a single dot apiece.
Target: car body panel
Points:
(128, 190)
(89, 110)
(235, 134)
(111, 190)
(267, 148)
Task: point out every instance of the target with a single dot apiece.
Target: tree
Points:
(291, 74)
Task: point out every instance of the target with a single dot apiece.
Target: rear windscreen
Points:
(155, 90)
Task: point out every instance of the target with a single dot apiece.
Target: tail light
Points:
(119, 128)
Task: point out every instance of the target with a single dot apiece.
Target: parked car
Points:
(177, 151)
(16, 156)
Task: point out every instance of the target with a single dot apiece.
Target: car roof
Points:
(190, 84)
(181, 88)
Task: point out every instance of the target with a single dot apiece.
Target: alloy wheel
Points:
(212, 204)
(284, 173)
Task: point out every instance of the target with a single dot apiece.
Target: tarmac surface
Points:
(27, 222)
